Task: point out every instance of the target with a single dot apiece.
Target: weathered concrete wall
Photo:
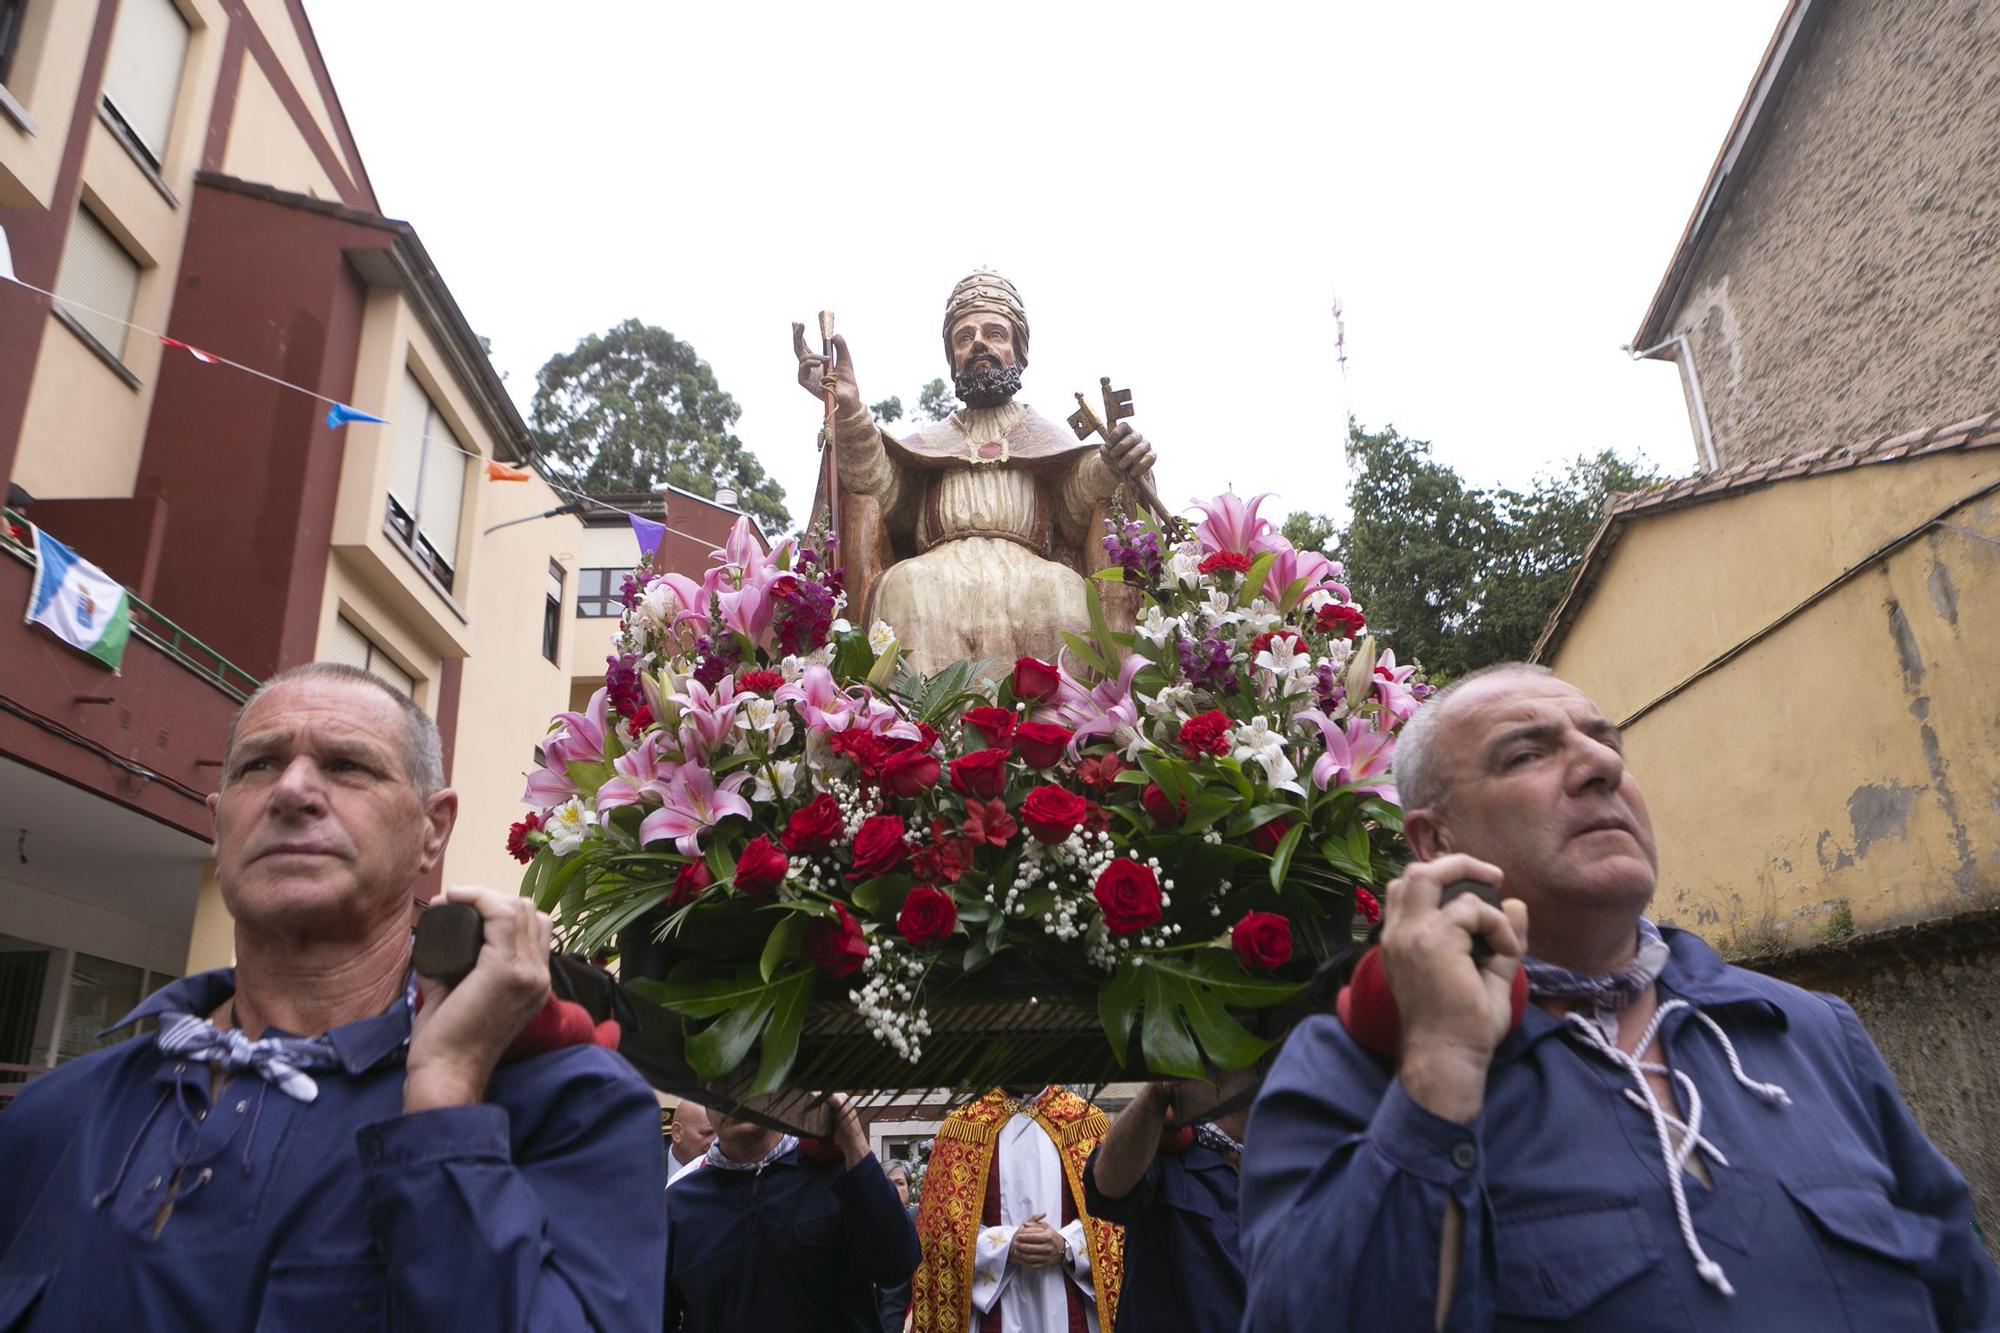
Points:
(1929, 997)
(1852, 288)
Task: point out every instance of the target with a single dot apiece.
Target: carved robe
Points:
(964, 1243)
(972, 537)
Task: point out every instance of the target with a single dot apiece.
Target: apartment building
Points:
(184, 166)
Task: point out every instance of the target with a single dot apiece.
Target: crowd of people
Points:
(1581, 1120)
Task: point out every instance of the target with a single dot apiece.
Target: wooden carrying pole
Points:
(829, 384)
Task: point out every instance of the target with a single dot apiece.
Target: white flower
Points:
(1221, 608)
(1157, 626)
(1184, 565)
(774, 778)
(1287, 661)
(568, 825)
(1173, 701)
(758, 713)
(792, 667)
(880, 637)
(658, 605)
(1256, 743)
(1314, 600)
(840, 626)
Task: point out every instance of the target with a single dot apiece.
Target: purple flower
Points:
(621, 685)
(629, 592)
(1207, 666)
(804, 615)
(1136, 551)
(1330, 692)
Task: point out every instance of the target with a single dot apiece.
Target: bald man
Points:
(690, 1134)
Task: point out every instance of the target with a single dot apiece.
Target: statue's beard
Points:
(986, 383)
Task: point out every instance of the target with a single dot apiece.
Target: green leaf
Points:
(1253, 582)
(1290, 598)
(884, 669)
(1169, 773)
(1111, 574)
(787, 942)
(1226, 1042)
(791, 998)
(853, 658)
(882, 897)
(588, 777)
(1168, 1048)
(1281, 859)
(721, 864)
(1081, 648)
(1100, 628)
(1259, 815)
(719, 1048)
(1118, 1006)
(1205, 808)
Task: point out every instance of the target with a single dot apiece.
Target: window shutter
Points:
(412, 418)
(346, 645)
(143, 75)
(389, 671)
(97, 272)
(444, 489)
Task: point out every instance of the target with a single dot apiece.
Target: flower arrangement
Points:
(763, 809)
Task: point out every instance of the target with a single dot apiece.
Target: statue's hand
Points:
(1127, 451)
(812, 367)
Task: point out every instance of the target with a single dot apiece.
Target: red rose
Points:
(1163, 811)
(1207, 733)
(761, 868)
(517, 838)
(814, 827)
(757, 680)
(1052, 813)
(1341, 620)
(1263, 940)
(694, 877)
(878, 846)
(1041, 744)
(865, 748)
(836, 946)
(1129, 894)
(1099, 771)
(1266, 837)
(927, 917)
(995, 724)
(1366, 905)
(989, 822)
(908, 772)
(983, 775)
(1034, 679)
(1234, 562)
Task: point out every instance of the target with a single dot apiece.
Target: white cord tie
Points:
(1673, 1157)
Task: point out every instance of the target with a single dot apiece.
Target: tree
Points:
(889, 409)
(1308, 531)
(635, 407)
(1456, 577)
(935, 401)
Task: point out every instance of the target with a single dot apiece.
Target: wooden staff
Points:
(829, 385)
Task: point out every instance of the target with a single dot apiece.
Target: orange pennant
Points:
(496, 471)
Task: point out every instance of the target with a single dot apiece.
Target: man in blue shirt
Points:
(1664, 1141)
(771, 1236)
(1173, 1188)
(296, 1149)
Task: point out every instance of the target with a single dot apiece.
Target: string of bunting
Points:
(338, 414)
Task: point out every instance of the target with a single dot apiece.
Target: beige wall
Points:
(590, 644)
(47, 66)
(1841, 773)
(1850, 290)
(264, 143)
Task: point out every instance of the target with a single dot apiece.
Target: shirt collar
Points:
(361, 1045)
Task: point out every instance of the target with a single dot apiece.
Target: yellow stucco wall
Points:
(1842, 772)
(47, 66)
(264, 143)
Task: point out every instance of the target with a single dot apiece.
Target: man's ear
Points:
(1427, 833)
(440, 814)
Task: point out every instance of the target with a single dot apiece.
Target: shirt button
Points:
(241, 1107)
(1464, 1156)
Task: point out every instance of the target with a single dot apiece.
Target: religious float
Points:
(1113, 839)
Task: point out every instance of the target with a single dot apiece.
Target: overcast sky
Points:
(1180, 192)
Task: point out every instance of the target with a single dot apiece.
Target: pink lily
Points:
(640, 773)
(1391, 688)
(692, 803)
(1290, 564)
(1357, 755)
(707, 716)
(819, 699)
(579, 739)
(1108, 709)
(1233, 525)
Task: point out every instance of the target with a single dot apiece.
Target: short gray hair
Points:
(1420, 778)
(423, 750)
(896, 1167)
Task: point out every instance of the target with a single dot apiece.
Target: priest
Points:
(1008, 1246)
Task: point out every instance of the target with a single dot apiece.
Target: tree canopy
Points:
(635, 407)
(1456, 576)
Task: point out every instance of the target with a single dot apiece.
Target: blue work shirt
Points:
(797, 1244)
(1183, 1269)
(339, 1213)
(1833, 1212)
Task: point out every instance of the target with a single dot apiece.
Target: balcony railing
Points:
(154, 628)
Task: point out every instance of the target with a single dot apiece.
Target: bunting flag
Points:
(340, 414)
(649, 534)
(78, 602)
(498, 471)
(6, 257)
(206, 358)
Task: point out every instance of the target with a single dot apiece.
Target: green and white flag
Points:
(78, 602)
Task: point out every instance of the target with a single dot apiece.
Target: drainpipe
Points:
(1684, 358)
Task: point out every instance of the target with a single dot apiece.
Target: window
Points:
(100, 993)
(597, 592)
(101, 279)
(143, 75)
(552, 612)
(426, 482)
(348, 644)
(13, 14)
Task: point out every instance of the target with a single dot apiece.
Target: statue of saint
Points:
(972, 537)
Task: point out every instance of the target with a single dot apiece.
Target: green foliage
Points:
(935, 401)
(889, 409)
(1458, 577)
(635, 406)
(1309, 531)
